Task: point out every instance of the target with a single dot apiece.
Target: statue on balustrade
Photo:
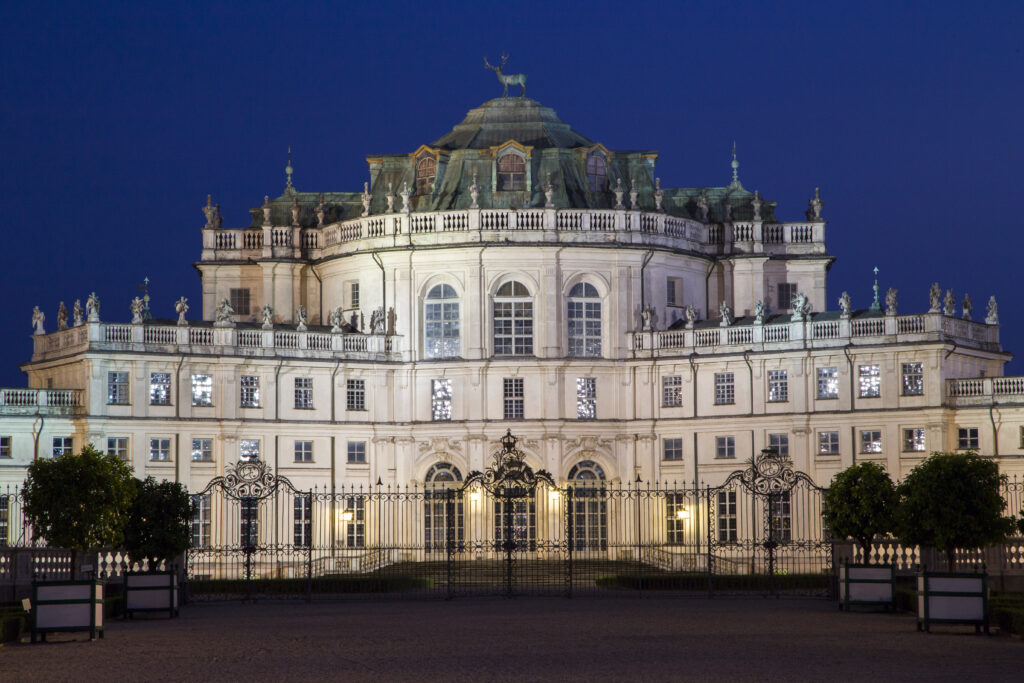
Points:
(268, 317)
(801, 307)
(38, 318)
(756, 203)
(320, 211)
(726, 314)
(302, 319)
(618, 193)
(337, 319)
(949, 303)
(633, 194)
(844, 305)
(992, 312)
(295, 211)
(212, 213)
(691, 316)
(659, 195)
(377, 321)
(62, 317)
(92, 308)
(814, 212)
(266, 211)
(390, 197)
(76, 311)
(224, 313)
(646, 313)
(474, 193)
(137, 309)
(967, 306)
(366, 199)
(890, 301)
(702, 204)
(759, 312)
(181, 306)
(935, 298)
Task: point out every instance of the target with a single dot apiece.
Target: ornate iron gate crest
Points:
(248, 479)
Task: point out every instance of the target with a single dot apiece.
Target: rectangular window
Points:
(355, 394)
(913, 440)
(5, 446)
(201, 516)
(250, 397)
(727, 517)
(202, 390)
(676, 515)
(118, 445)
(512, 392)
(782, 521)
(202, 450)
(778, 386)
(672, 449)
(967, 438)
(354, 515)
(249, 521)
(249, 449)
(160, 450)
(674, 291)
(441, 399)
(725, 390)
(117, 388)
(160, 389)
(357, 452)
(353, 295)
(671, 391)
(303, 451)
(240, 301)
(586, 398)
(786, 292)
(779, 443)
(870, 442)
(303, 521)
(828, 443)
(304, 393)
(725, 446)
(913, 379)
(828, 383)
(870, 381)
(62, 445)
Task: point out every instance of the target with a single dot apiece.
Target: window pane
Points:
(828, 383)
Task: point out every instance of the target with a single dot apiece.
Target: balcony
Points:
(984, 391)
(40, 401)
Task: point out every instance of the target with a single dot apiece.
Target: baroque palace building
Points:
(515, 274)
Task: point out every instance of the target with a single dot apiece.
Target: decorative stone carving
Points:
(968, 307)
(366, 199)
(646, 314)
(702, 204)
(474, 193)
(949, 303)
(549, 193)
(756, 203)
(390, 197)
(320, 211)
(377, 320)
(268, 316)
(181, 307)
(659, 195)
(801, 307)
(92, 308)
(935, 298)
(726, 314)
(814, 212)
(992, 312)
(618, 194)
(295, 212)
(392, 320)
(337, 319)
(38, 318)
(759, 312)
(507, 79)
(137, 308)
(405, 194)
(844, 305)
(691, 316)
(301, 319)
(224, 313)
(212, 213)
(62, 317)
(266, 211)
(76, 311)
(890, 301)
(633, 194)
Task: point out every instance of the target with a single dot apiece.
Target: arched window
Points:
(441, 323)
(511, 172)
(513, 320)
(443, 509)
(589, 506)
(597, 173)
(426, 172)
(584, 320)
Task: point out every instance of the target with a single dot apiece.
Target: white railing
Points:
(44, 400)
(984, 390)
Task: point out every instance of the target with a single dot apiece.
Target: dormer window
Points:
(426, 173)
(597, 174)
(511, 173)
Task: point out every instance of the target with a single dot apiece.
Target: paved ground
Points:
(525, 639)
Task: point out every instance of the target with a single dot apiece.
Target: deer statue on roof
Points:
(508, 79)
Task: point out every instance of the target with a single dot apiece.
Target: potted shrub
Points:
(859, 505)
(79, 502)
(157, 531)
(951, 501)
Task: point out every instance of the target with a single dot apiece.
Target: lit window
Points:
(511, 173)
(160, 388)
(201, 516)
(202, 450)
(249, 450)
(913, 440)
(5, 446)
(870, 381)
(584, 319)
(118, 445)
(782, 522)
(786, 292)
(117, 388)
(441, 323)
(250, 391)
(353, 295)
(62, 446)
(202, 390)
(426, 172)
(672, 449)
(160, 450)
(239, 299)
(828, 383)
(675, 518)
(674, 291)
(512, 391)
(357, 452)
(725, 390)
(913, 379)
(304, 393)
(672, 391)
(967, 438)
(727, 517)
(355, 394)
(303, 521)
(441, 399)
(828, 443)
(778, 386)
(355, 527)
(597, 173)
(513, 320)
(779, 443)
(725, 446)
(586, 398)
(870, 442)
(303, 451)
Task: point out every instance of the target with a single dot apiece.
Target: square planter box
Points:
(67, 606)
(151, 592)
(866, 584)
(952, 598)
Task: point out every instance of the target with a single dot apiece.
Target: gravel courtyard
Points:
(525, 639)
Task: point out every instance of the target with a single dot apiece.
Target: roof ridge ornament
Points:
(735, 169)
(875, 305)
(507, 79)
(288, 170)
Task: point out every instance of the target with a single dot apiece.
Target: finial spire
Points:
(288, 171)
(735, 166)
(876, 305)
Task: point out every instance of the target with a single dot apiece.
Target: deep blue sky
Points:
(117, 119)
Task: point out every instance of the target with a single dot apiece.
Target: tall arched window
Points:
(441, 323)
(511, 172)
(584, 320)
(589, 506)
(426, 172)
(513, 320)
(443, 509)
(597, 173)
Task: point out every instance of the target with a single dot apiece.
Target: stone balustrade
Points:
(474, 225)
(40, 401)
(221, 341)
(983, 391)
(818, 332)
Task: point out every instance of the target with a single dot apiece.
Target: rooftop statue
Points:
(992, 312)
(137, 308)
(302, 319)
(844, 305)
(935, 298)
(756, 203)
(181, 307)
(268, 316)
(38, 318)
(949, 304)
(801, 307)
(633, 194)
(337, 319)
(224, 312)
(62, 317)
(659, 195)
(366, 199)
(507, 79)
(890, 301)
(618, 193)
(759, 312)
(726, 313)
(815, 204)
(266, 210)
(702, 204)
(691, 315)
(92, 308)
(377, 321)
(968, 307)
(77, 312)
(474, 193)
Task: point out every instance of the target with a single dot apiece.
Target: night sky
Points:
(116, 120)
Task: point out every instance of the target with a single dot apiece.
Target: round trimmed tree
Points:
(860, 504)
(159, 522)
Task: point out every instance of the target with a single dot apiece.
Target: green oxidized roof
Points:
(526, 121)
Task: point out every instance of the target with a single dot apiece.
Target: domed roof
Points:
(526, 121)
